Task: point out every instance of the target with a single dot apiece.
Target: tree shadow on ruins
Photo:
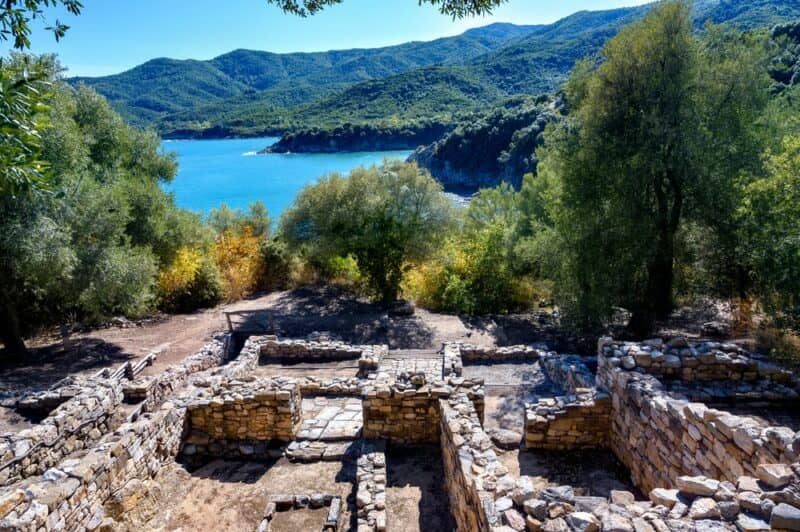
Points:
(591, 472)
(46, 366)
(418, 467)
(228, 470)
(305, 310)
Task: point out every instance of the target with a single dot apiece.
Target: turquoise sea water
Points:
(211, 172)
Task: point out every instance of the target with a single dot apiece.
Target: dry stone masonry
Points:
(700, 468)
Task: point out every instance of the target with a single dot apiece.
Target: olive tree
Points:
(385, 217)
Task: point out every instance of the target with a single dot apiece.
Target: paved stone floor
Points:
(321, 370)
(331, 419)
(508, 387)
(411, 362)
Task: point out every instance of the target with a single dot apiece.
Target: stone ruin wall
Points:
(408, 414)
(236, 419)
(72, 426)
(151, 391)
(470, 466)
(368, 356)
(579, 419)
(74, 496)
(647, 424)
(578, 422)
(660, 437)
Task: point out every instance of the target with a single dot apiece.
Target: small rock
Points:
(536, 509)
(622, 498)
(506, 439)
(785, 517)
(775, 476)
(750, 523)
(664, 497)
(583, 522)
(704, 508)
(699, 486)
(514, 520)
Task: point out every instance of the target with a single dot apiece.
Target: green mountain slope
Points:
(158, 87)
(270, 93)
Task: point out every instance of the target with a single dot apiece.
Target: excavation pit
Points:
(229, 495)
(590, 473)
(509, 386)
(415, 495)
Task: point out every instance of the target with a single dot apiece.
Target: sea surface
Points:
(212, 172)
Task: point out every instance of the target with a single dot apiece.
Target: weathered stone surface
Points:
(583, 522)
(751, 523)
(775, 476)
(505, 439)
(700, 486)
(785, 517)
(664, 497)
(704, 508)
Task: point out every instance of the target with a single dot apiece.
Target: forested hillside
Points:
(161, 86)
(254, 93)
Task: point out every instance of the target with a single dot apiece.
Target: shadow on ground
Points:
(45, 366)
(415, 496)
(332, 309)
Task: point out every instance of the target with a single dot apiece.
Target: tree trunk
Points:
(10, 333)
(657, 301)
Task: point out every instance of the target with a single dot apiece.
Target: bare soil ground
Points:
(595, 472)
(415, 495)
(508, 387)
(231, 496)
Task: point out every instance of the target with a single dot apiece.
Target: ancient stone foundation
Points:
(701, 468)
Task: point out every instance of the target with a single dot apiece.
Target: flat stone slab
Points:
(331, 419)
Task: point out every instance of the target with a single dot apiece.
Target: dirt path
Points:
(295, 313)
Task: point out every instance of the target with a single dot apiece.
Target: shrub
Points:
(240, 262)
(470, 276)
(189, 283)
(383, 217)
(275, 265)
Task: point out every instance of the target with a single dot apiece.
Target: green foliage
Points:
(16, 17)
(24, 86)
(471, 274)
(659, 134)
(490, 147)
(454, 8)
(255, 93)
(770, 230)
(92, 246)
(385, 217)
(226, 220)
(277, 264)
(250, 92)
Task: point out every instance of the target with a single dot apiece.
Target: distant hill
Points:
(249, 93)
(162, 86)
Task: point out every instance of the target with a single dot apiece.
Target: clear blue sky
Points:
(114, 35)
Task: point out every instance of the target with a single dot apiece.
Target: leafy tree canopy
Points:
(16, 17)
(454, 8)
(384, 217)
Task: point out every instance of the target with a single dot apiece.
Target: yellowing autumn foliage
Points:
(240, 262)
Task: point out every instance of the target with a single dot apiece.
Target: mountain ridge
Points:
(384, 86)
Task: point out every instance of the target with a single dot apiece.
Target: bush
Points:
(383, 217)
(189, 283)
(470, 276)
(126, 288)
(275, 265)
(240, 262)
